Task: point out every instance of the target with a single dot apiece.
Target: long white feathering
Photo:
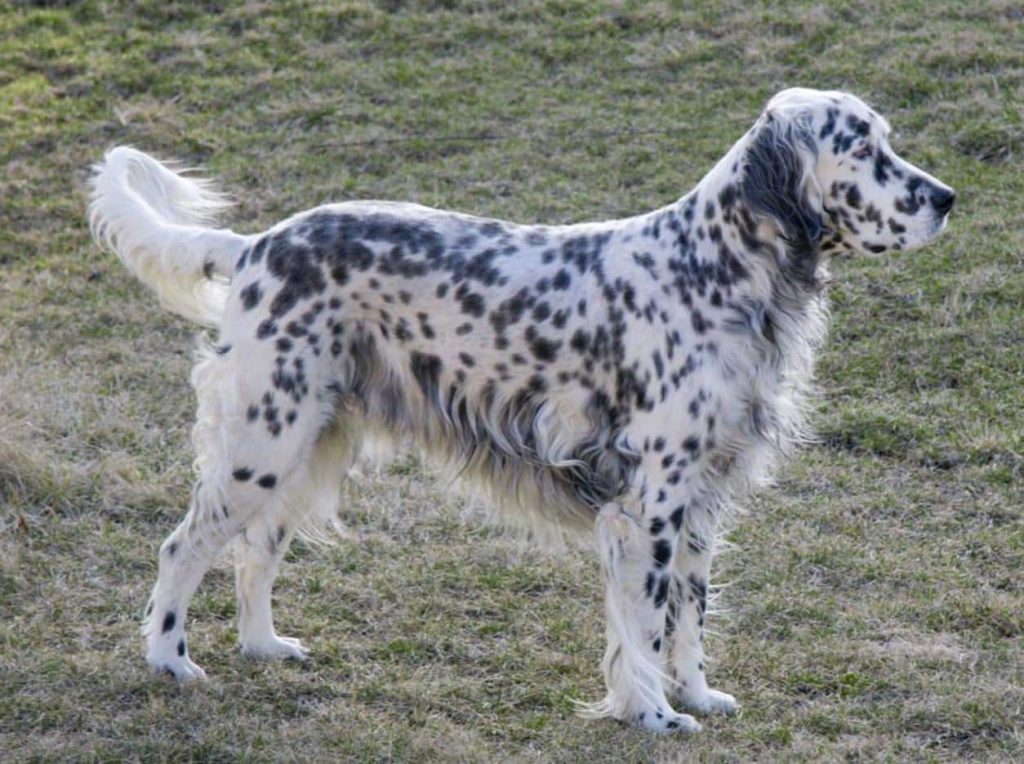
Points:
(157, 222)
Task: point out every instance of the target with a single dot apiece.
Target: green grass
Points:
(876, 608)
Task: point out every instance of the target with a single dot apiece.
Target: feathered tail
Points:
(156, 221)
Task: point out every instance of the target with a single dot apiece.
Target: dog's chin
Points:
(938, 226)
(920, 239)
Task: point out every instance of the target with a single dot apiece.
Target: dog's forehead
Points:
(829, 104)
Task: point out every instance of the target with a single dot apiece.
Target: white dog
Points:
(629, 377)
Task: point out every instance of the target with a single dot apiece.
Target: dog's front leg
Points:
(687, 611)
(637, 570)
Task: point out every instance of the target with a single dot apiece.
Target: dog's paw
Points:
(710, 702)
(668, 722)
(181, 668)
(275, 648)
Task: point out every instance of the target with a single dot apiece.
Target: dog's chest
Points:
(749, 398)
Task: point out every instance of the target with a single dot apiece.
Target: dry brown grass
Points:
(875, 611)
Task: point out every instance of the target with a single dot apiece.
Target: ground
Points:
(874, 608)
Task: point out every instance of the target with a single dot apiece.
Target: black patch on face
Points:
(883, 167)
(830, 123)
(860, 127)
(910, 204)
(853, 197)
(267, 481)
(842, 142)
(242, 474)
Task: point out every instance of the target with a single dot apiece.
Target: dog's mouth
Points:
(938, 225)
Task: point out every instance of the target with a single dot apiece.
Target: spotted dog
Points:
(627, 379)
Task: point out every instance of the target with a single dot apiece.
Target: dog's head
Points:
(819, 164)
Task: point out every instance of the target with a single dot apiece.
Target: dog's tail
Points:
(157, 222)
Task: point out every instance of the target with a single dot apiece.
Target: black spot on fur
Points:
(267, 328)
(242, 474)
(662, 592)
(474, 305)
(267, 481)
(251, 295)
(169, 620)
(662, 552)
(544, 349)
(853, 197)
(426, 369)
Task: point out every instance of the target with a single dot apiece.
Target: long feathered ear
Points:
(779, 183)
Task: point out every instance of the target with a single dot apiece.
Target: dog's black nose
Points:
(943, 200)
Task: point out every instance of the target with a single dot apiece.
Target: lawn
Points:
(875, 606)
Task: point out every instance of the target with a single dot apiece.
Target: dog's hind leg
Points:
(262, 545)
(636, 579)
(248, 462)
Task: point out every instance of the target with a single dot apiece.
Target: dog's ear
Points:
(779, 183)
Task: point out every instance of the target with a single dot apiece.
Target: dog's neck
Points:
(719, 230)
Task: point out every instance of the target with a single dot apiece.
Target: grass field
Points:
(876, 606)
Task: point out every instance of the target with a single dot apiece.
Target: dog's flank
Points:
(630, 378)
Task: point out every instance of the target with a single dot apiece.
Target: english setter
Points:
(628, 379)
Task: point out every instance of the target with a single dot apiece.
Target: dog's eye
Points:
(862, 153)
